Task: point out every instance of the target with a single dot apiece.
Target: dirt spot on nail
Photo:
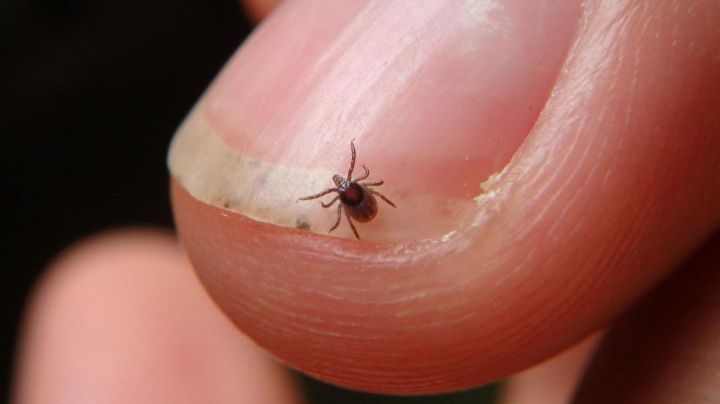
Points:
(302, 224)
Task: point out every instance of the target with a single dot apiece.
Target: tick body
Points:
(356, 198)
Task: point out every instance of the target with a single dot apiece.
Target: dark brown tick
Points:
(357, 198)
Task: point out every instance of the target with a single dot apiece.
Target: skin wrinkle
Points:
(636, 67)
(575, 173)
(529, 257)
(545, 152)
(352, 334)
(561, 172)
(571, 204)
(624, 249)
(364, 292)
(547, 205)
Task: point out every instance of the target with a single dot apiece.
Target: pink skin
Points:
(121, 319)
(616, 182)
(553, 381)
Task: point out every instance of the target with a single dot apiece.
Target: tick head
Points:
(338, 180)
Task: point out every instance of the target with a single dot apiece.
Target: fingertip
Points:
(471, 280)
(121, 318)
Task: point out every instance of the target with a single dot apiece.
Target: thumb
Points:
(598, 196)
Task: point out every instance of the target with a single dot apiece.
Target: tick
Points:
(356, 198)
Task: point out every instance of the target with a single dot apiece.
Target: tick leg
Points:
(374, 184)
(329, 204)
(337, 222)
(352, 226)
(352, 159)
(384, 198)
(323, 193)
(365, 175)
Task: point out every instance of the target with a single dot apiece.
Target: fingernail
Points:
(438, 98)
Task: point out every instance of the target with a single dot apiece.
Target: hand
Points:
(614, 184)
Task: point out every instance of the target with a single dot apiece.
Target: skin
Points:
(121, 318)
(666, 348)
(610, 181)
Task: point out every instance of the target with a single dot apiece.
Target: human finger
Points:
(666, 350)
(553, 381)
(121, 318)
(517, 233)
